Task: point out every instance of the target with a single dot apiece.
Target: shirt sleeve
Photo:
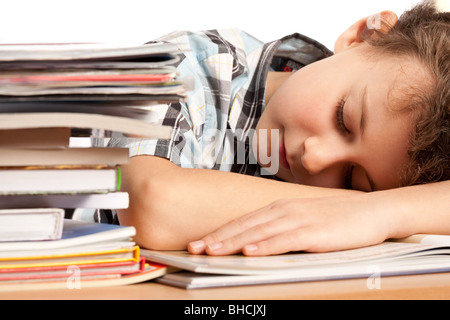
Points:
(213, 60)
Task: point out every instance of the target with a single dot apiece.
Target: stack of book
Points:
(86, 255)
(49, 96)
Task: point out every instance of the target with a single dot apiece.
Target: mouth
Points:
(282, 156)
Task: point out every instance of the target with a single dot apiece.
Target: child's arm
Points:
(334, 223)
(170, 206)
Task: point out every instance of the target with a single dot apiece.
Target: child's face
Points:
(335, 125)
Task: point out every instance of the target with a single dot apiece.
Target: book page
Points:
(236, 264)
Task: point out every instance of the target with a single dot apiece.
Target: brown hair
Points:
(424, 33)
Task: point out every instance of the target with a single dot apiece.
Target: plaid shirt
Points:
(213, 128)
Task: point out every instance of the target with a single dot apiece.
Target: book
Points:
(127, 126)
(30, 84)
(87, 255)
(66, 79)
(63, 156)
(85, 52)
(119, 253)
(113, 91)
(110, 200)
(59, 179)
(35, 138)
(44, 273)
(31, 224)
(414, 255)
(153, 65)
(74, 72)
(119, 95)
(77, 235)
(76, 281)
(134, 110)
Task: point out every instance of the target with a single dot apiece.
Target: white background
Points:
(133, 22)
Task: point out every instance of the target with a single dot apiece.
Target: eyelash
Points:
(340, 117)
(341, 125)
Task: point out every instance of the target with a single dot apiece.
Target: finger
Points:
(294, 240)
(250, 236)
(196, 247)
(229, 230)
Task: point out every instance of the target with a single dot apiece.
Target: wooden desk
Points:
(429, 286)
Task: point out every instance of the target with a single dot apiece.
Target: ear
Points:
(353, 36)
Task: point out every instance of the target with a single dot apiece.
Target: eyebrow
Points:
(363, 121)
(362, 127)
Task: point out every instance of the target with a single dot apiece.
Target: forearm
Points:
(333, 223)
(170, 206)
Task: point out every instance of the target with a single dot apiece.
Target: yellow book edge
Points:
(134, 250)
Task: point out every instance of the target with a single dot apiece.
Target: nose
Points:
(320, 154)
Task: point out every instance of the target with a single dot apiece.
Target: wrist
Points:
(394, 213)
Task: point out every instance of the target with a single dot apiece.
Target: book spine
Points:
(119, 178)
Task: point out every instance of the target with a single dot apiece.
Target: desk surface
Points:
(428, 286)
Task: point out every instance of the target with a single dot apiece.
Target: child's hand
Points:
(315, 225)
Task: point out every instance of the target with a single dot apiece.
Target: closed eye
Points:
(340, 117)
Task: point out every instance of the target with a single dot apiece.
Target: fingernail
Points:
(250, 248)
(215, 246)
(197, 246)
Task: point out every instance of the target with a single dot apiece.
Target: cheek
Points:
(305, 116)
(307, 103)
(291, 106)
(301, 101)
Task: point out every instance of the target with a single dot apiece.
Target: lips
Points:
(282, 154)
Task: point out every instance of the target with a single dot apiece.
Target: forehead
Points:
(386, 143)
(388, 131)
(406, 80)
